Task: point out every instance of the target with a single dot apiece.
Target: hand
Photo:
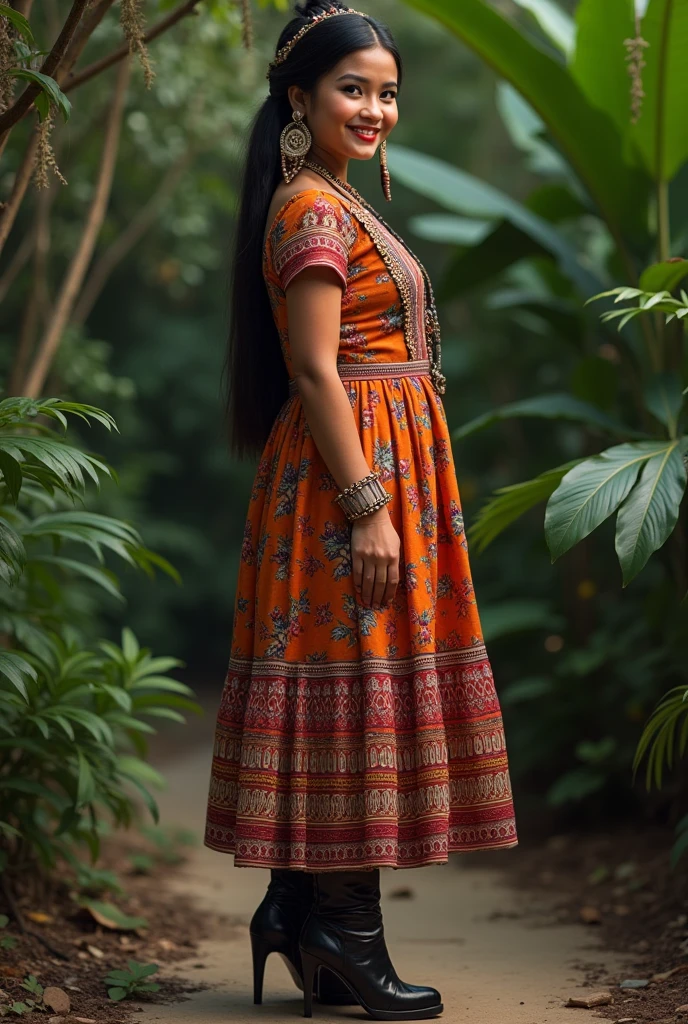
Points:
(375, 548)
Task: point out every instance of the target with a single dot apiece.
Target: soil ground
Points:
(507, 936)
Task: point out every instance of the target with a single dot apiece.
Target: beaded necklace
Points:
(432, 325)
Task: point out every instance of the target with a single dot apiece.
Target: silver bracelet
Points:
(364, 497)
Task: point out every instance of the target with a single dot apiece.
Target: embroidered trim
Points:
(375, 371)
(399, 274)
(264, 667)
(317, 248)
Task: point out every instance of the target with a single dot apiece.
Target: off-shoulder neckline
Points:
(291, 199)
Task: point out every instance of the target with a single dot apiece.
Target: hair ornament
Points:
(284, 52)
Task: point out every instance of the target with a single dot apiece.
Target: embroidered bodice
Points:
(383, 312)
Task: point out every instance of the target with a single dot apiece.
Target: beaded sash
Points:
(375, 371)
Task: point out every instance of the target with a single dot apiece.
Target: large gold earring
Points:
(295, 141)
(384, 171)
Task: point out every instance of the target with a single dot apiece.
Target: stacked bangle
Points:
(363, 497)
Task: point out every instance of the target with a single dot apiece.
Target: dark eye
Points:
(390, 92)
(350, 86)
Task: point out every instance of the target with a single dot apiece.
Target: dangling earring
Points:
(384, 171)
(295, 141)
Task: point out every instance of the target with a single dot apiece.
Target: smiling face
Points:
(353, 108)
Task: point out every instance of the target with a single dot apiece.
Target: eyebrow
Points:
(360, 78)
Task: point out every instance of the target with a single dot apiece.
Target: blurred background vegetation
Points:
(580, 663)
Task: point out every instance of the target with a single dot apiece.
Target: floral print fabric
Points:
(349, 737)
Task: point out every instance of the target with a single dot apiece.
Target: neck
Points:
(335, 164)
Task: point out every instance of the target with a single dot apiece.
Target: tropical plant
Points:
(604, 224)
(74, 711)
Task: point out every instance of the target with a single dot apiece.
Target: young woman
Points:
(359, 726)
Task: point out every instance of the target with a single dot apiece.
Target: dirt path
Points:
(463, 932)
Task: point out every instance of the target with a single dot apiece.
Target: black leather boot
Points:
(344, 933)
(275, 928)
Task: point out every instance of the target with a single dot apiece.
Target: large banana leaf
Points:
(649, 514)
(525, 129)
(599, 64)
(507, 244)
(661, 133)
(587, 136)
(465, 194)
(557, 25)
(592, 491)
(450, 229)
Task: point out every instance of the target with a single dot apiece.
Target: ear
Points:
(297, 98)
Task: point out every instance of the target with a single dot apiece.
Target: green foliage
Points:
(618, 169)
(74, 715)
(659, 735)
(125, 984)
(585, 133)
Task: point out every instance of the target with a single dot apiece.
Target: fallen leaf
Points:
(634, 983)
(110, 916)
(621, 910)
(95, 952)
(663, 975)
(38, 917)
(57, 999)
(587, 1002)
(86, 1020)
(590, 915)
(682, 1009)
(167, 945)
(10, 972)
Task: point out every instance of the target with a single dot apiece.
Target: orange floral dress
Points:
(348, 737)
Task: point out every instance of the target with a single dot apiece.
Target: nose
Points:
(372, 110)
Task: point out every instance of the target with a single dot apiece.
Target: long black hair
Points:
(254, 370)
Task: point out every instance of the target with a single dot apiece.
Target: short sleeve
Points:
(314, 230)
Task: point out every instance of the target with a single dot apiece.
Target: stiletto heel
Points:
(275, 928)
(344, 935)
(310, 966)
(260, 951)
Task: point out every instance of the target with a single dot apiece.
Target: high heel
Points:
(344, 935)
(275, 928)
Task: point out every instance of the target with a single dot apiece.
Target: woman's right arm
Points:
(314, 299)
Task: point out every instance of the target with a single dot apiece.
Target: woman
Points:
(359, 726)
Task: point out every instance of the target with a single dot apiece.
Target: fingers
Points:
(368, 582)
(378, 583)
(392, 584)
(357, 569)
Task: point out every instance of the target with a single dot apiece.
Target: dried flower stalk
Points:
(634, 57)
(134, 28)
(45, 157)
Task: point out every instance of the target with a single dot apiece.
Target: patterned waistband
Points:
(376, 371)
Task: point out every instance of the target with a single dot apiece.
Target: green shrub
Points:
(74, 711)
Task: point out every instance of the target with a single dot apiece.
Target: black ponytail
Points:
(254, 371)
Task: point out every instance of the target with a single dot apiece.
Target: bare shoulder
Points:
(303, 181)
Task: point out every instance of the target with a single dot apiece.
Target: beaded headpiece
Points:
(284, 52)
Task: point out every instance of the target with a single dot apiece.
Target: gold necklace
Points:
(432, 325)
